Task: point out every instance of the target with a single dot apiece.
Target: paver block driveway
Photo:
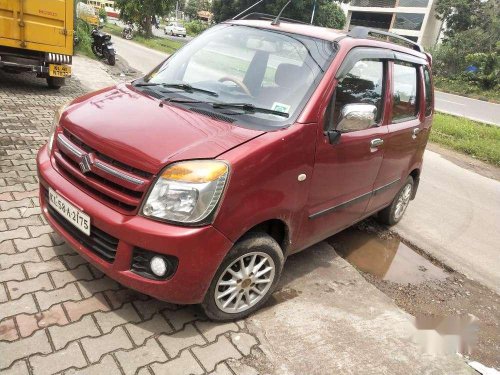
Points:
(58, 313)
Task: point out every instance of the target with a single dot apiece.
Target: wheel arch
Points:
(415, 174)
(277, 229)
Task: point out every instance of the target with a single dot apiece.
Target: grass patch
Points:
(466, 89)
(84, 44)
(472, 138)
(159, 44)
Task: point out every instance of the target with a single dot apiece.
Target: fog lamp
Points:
(158, 266)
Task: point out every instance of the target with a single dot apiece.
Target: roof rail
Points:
(268, 17)
(361, 32)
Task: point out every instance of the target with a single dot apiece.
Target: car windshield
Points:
(177, 24)
(269, 75)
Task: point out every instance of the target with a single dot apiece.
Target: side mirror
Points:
(357, 117)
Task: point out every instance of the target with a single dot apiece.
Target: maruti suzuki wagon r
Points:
(252, 142)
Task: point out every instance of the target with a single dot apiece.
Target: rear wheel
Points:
(392, 214)
(245, 279)
(55, 83)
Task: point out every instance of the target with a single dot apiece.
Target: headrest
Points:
(286, 74)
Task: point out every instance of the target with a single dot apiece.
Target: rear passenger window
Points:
(428, 92)
(363, 84)
(405, 92)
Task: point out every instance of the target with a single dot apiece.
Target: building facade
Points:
(413, 19)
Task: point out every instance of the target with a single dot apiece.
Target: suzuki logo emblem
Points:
(85, 163)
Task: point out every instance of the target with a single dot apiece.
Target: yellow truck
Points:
(37, 36)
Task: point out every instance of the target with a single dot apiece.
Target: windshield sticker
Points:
(280, 107)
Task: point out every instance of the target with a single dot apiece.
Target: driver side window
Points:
(363, 84)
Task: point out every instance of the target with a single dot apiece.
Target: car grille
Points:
(110, 181)
(99, 242)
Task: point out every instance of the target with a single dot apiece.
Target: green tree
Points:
(327, 14)
(141, 12)
(459, 15)
(191, 8)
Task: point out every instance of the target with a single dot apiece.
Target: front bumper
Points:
(199, 250)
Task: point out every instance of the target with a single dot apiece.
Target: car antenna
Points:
(246, 10)
(276, 21)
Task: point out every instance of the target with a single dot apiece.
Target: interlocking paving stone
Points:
(62, 278)
(8, 331)
(19, 288)
(108, 320)
(219, 351)
(77, 309)
(18, 368)
(71, 356)
(8, 260)
(131, 360)
(178, 341)
(96, 347)
(35, 269)
(62, 335)
(244, 342)
(47, 299)
(25, 304)
(13, 273)
(107, 366)
(141, 331)
(185, 364)
(89, 288)
(181, 317)
(30, 323)
(12, 351)
(212, 329)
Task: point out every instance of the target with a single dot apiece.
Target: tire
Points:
(97, 53)
(129, 36)
(256, 247)
(392, 214)
(111, 60)
(55, 83)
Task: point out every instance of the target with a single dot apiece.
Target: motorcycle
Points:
(102, 45)
(128, 32)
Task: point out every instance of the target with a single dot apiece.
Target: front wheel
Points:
(96, 51)
(245, 279)
(392, 214)
(111, 59)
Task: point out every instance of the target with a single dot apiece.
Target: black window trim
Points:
(425, 68)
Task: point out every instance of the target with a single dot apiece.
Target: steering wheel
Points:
(238, 82)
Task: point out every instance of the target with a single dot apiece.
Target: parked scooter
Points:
(128, 31)
(102, 45)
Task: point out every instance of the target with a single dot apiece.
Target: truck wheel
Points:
(55, 83)
(245, 279)
(392, 214)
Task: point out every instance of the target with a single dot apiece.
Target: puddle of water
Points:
(388, 259)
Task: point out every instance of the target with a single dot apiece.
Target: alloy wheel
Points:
(403, 201)
(244, 282)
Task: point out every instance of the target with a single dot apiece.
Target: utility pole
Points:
(314, 11)
(176, 11)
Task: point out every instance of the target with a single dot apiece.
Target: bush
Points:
(195, 27)
(84, 44)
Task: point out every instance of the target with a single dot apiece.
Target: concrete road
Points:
(138, 57)
(473, 109)
(456, 216)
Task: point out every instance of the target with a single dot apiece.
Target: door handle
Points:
(415, 133)
(376, 142)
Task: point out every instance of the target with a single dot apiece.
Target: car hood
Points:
(133, 128)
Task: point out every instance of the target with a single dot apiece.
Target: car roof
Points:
(326, 34)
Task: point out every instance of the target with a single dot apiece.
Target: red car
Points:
(251, 143)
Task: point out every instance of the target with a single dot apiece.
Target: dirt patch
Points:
(415, 291)
(467, 162)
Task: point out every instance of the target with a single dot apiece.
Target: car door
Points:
(402, 145)
(345, 171)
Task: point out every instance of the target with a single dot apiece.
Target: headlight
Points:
(187, 192)
(55, 124)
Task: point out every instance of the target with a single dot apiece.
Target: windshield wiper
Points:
(182, 100)
(181, 86)
(188, 88)
(249, 108)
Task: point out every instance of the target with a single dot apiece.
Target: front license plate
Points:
(59, 70)
(70, 212)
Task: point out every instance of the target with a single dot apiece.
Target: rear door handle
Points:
(415, 133)
(376, 142)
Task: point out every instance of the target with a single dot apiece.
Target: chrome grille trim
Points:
(69, 146)
(117, 173)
